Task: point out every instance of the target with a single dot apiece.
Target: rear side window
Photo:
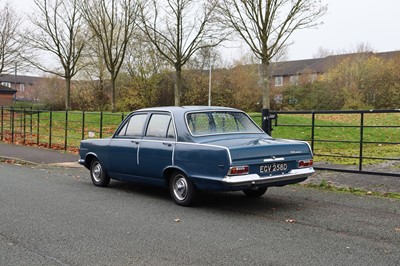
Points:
(134, 127)
(160, 126)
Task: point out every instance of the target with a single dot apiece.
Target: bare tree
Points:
(112, 23)
(178, 29)
(10, 45)
(58, 32)
(142, 60)
(266, 25)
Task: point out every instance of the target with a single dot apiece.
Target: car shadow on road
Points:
(237, 201)
(223, 201)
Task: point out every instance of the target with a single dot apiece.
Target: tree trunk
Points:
(67, 94)
(178, 87)
(264, 76)
(113, 93)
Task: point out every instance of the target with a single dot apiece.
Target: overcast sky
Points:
(346, 24)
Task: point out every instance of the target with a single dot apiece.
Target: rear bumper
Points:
(255, 179)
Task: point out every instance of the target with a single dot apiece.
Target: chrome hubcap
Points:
(97, 172)
(180, 188)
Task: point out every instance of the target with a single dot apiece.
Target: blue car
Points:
(190, 149)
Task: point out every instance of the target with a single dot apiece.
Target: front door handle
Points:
(167, 144)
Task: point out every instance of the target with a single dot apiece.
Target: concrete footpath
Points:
(42, 156)
(36, 155)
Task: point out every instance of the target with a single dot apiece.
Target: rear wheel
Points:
(182, 189)
(255, 192)
(98, 175)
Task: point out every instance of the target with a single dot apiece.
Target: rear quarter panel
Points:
(206, 165)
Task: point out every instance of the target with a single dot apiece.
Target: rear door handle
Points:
(167, 144)
(135, 142)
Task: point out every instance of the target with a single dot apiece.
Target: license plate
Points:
(273, 167)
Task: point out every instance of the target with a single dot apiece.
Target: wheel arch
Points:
(167, 173)
(89, 159)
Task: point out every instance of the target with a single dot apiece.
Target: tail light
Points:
(305, 163)
(239, 170)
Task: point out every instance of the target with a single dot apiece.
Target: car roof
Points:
(185, 109)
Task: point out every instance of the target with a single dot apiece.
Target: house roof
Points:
(6, 90)
(20, 79)
(322, 65)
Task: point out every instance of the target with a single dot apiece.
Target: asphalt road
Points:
(55, 216)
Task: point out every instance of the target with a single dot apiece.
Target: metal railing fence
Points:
(371, 136)
(55, 129)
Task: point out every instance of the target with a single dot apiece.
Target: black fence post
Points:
(2, 122)
(101, 124)
(361, 141)
(12, 124)
(312, 131)
(50, 127)
(83, 125)
(66, 131)
(31, 114)
(38, 128)
(24, 126)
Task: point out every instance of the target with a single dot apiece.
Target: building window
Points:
(7, 84)
(294, 80)
(22, 87)
(278, 81)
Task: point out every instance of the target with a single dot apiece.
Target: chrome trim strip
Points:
(137, 152)
(274, 160)
(173, 155)
(254, 179)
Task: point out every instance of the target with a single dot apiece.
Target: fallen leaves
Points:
(397, 229)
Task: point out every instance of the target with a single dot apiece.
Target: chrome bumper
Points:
(255, 179)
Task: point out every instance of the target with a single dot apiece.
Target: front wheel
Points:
(255, 192)
(182, 189)
(98, 175)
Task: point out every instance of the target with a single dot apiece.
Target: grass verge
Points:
(325, 185)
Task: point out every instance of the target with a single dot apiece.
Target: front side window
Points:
(216, 122)
(134, 127)
(160, 126)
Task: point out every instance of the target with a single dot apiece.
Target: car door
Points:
(157, 147)
(124, 147)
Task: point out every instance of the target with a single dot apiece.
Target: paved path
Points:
(35, 155)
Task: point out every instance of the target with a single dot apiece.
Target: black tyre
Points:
(182, 189)
(255, 192)
(98, 175)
